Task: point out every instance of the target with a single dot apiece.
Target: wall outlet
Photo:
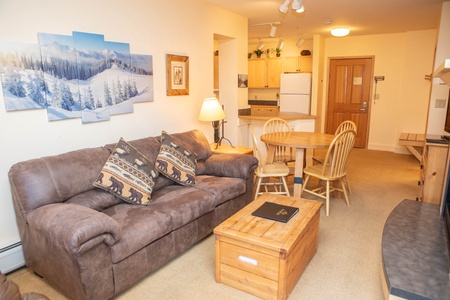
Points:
(440, 103)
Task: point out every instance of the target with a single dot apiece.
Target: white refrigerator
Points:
(295, 92)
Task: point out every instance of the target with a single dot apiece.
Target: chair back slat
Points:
(256, 150)
(345, 125)
(338, 152)
(279, 125)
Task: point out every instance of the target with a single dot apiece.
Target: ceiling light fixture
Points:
(301, 9)
(284, 6)
(280, 44)
(340, 31)
(260, 45)
(300, 42)
(273, 31)
(297, 5)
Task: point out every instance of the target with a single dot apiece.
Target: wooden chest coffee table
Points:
(264, 257)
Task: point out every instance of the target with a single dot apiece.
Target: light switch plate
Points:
(440, 103)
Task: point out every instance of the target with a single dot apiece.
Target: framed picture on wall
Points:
(242, 80)
(177, 75)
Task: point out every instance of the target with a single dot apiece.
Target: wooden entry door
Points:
(349, 95)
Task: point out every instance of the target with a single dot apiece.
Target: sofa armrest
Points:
(74, 227)
(231, 165)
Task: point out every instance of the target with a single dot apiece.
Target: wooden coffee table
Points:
(264, 257)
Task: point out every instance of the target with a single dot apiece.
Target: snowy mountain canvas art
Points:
(59, 63)
(142, 66)
(81, 76)
(22, 77)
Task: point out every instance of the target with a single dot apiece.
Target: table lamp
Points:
(212, 111)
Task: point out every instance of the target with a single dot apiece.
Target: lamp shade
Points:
(211, 110)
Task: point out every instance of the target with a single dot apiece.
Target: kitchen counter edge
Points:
(283, 115)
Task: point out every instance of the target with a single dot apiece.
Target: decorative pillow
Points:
(175, 161)
(128, 175)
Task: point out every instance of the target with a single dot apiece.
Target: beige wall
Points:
(150, 27)
(404, 59)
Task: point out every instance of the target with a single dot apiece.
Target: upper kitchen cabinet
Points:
(293, 64)
(264, 72)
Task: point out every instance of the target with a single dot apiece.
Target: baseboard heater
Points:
(11, 257)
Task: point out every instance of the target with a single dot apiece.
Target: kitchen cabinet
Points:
(264, 72)
(293, 64)
(433, 167)
(255, 108)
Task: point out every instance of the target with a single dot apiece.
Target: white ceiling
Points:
(363, 17)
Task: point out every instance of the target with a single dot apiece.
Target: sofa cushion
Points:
(196, 142)
(183, 204)
(223, 188)
(149, 147)
(96, 199)
(175, 161)
(140, 225)
(128, 174)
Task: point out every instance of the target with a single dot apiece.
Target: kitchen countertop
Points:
(266, 115)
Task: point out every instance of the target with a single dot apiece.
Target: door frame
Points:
(369, 104)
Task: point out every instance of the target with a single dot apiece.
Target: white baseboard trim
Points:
(394, 149)
(380, 147)
(11, 257)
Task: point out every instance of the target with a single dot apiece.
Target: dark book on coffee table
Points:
(276, 212)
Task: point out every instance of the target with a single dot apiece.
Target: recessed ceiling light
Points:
(340, 31)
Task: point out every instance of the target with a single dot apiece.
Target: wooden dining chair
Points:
(345, 125)
(333, 169)
(282, 153)
(267, 171)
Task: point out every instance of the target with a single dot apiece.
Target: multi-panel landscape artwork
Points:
(75, 76)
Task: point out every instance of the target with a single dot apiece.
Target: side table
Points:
(233, 150)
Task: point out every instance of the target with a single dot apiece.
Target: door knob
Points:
(364, 107)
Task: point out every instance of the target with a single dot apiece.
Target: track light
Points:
(297, 5)
(284, 7)
(273, 31)
(280, 44)
(301, 9)
(260, 45)
(300, 42)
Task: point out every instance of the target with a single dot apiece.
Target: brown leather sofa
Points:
(89, 244)
(10, 291)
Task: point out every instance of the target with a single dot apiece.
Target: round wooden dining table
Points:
(300, 141)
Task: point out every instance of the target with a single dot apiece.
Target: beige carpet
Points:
(348, 261)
